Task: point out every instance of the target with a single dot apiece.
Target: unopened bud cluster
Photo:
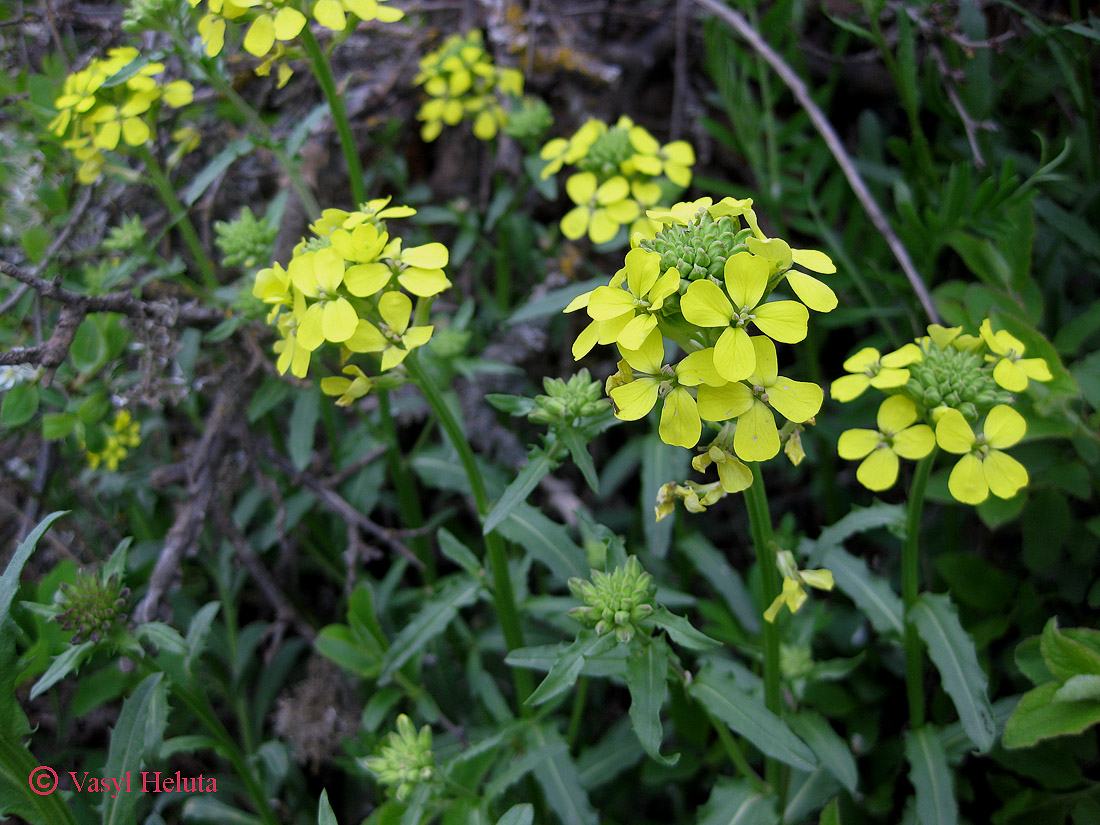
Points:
(700, 248)
(615, 602)
(92, 607)
(529, 120)
(958, 378)
(569, 403)
(406, 761)
(245, 241)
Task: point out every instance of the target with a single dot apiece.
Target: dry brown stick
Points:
(798, 88)
(337, 503)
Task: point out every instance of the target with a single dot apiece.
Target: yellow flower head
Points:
(898, 434)
(602, 208)
(871, 369)
(1012, 370)
(793, 595)
(636, 307)
(983, 468)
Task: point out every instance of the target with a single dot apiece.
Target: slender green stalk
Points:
(910, 590)
(167, 193)
(323, 72)
(760, 525)
(503, 596)
(297, 182)
(576, 714)
(736, 755)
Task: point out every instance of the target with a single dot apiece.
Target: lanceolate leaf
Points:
(578, 450)
(437, 613)
(558, 778)
(879, 603)
(952, 651)
(647, 678)
(62, 665)
(563, 675)
(735, 802)
(140, 725)
(834, 753)
(931, 778)
(547, 541)
(749, 717)
(1039, 716)
(539, 464)
(522, 814)
(325, 814)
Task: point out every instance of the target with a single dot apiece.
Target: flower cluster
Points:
(569, 404)
(615, 602)
(110, 104)
(125, 434)
(406, 761)
(347, 285)
(701, 284)
(619, 172)
(938, 390)
(92, 608)
(274, 22)
(463, 83)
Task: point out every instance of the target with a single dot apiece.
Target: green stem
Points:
(736, 755)
(167, 193)
(323, 72)
(576, 714)
(297, 182)
(760, 526)
(910, 590)
(503, 596)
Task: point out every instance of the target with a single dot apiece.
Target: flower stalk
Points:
(910, 590)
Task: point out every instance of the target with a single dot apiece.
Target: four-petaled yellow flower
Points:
(1012, 370)
(757, 437)
(601, 208)
(897, 435)
(983, 468)
(349, 389)
(331, 317)
(793, 594)
(395, 339)
(705, 305)
(635, 307)
(871, 369)
(680, 424)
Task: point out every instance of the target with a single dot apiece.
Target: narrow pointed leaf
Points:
(835, 755)
(558, 778)
(931, 778)
(736, 802)
(437, 613)
(578, 449)
(873, 595)
(647, 679)
(139, 730)
(539, 464)
(563, 675)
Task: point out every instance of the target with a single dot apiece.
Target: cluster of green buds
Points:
(529, 121)
(622, 171)
(246, 240)
(406, 761)
(112, 445)
(615, 602)
(570, 403)
(726, 377)
(349, 285)
(127, 236)
(111, 105)
(938, 389)
(92, 608)
(463, 83)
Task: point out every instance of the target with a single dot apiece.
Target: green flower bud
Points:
(92, 608)
(245, 241)
(611, 149)
(406, 761)
(615, 602)
(127, 237)
(529, 120)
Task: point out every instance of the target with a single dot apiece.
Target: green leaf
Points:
(681, 630)
(197, 632)
(871, 594)
(736, 802)
(204, 808)
(57, 425)
(858, 520)
(558, 778)
(438, 612)
(831, 814)
(563, 675)
(647, 679)
(720, 575)
(519, 405)
(832, 751)
(539, 464)
(89, 349)
(325, 814)
(931, 778)
(459, 553)
(547, 541)
(1081, 688)
(337, 643)
(578, 449)
(1066, 657)
(521, 814)
(271, 393)
(62, 665)
(138, 733)
(1039, 717)
(660, 464)
(616, 752)
(17, 766)
(749, 717)
(1029, 659)
(36, 240)
(218, 164)
(952, 651)
(363, 617)
(19, 405)
(303, 426)
(553, 302)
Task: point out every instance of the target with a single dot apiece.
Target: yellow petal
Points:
(856, 444)
(879, 470)
(428, 256)
(636, 399)
(896, 413)
(848, 387)
(602, 227)
(575, 223)
(746, 277)
(818, 579)
(367, 338)
(585, 341)
(723, 403)
(642, 269)
(363, 280)
(914, 442)
(903, 357)
(650, 357)
(814, 261)
(798, 401)
(734, 354)
(680, 425)
(311, 327)
(767, 363)
(782, 320)
(1035, 368)
(888, 378)
(1003, 427)
(581, 187)
(1009, 375)
(812, 292)
(417, 336)
(424, 282)
(1004, 474)
(733, 475)
(339, 320)
(705, 305)
(260, 37)
(967, 481)
(954, 435)
(607, 302)
(636, 331)
(864, 359)
(756, 438)
(698, 368)
(289, 23)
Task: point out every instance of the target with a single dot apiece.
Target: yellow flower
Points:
(680, 424)
(1012, 370)
(896, 436)
(793, 595)
(601, 207)
(746, 276)
(644, 296)
(872, 369)
(732, 474)
(757, 437)
(318, 275)
(395, 339)
(349, 389)
(983, 468)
